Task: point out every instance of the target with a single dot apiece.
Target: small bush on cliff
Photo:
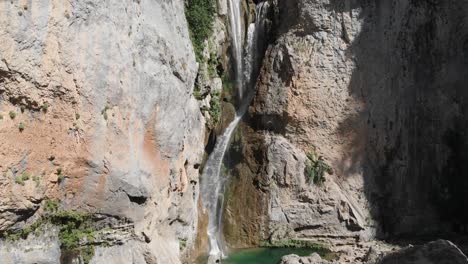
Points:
(21, 179)
(76, 229)
(21, 127)
(215, 108)
(51, 205)
(18, 180)
(60, 175)
(316, 168)
(12, 114)
(45, 107)
(200, 15)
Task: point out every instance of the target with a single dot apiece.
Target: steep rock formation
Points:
(298, 108)
(376, 89)
(97, 108)
(440, 251)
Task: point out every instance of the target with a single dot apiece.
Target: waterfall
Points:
(236, 42)
(213, 182)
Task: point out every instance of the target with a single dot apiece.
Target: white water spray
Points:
(213, 181)
(236, 38)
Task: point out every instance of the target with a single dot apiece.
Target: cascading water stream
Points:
(236, 38)
(213, 182)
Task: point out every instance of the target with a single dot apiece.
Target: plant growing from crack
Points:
(316, 167)
(104, 112)
(45, 107)
(21, 127)
(60, 175)
(200, 15)
(21, 179)
(76, 229)
(12, 114)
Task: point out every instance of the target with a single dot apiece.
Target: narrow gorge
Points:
(233, 131)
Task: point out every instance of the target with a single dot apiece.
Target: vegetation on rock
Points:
(215, 107)
(45, 107)
(21, 179)
(76, 229)
(12, 114)
(200, 15)
(21, 127)
(316, 167)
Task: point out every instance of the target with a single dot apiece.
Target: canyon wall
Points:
(376, 88)
(97, 113)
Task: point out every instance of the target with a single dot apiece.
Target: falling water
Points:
(236, 37)
(213, 182)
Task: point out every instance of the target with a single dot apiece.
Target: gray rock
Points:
(295, 259)
(132, 252)
(128, 69)
(40, 249)
(436, 252)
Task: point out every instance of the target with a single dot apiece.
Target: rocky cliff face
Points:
(376, 89)
(98, 112)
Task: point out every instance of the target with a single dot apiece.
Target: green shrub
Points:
(215, 108)
(51, 205)
(200, 15)
(212, 65)
(77, 116)
(1, 117)
(60, 175)
(21, 126)
(12, 114)
(25, 176)
(76, 229)
(19, 180)
(60, 178)
(22, 108)
(316, 168)
(45, 107)
(197, 94)
(104, 111)
(182, 244)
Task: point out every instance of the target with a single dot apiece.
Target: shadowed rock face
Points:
(121, 122)
(377, 88)
(440, 251)
(410, 77)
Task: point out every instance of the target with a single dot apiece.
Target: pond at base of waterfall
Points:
(264, 255)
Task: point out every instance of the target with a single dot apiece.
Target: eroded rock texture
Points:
(440, 251)
(102, 94)
(377, 88)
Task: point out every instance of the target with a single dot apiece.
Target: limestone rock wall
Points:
(376, 88)
(105, 120)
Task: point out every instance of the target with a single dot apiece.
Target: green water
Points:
(264, 255)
